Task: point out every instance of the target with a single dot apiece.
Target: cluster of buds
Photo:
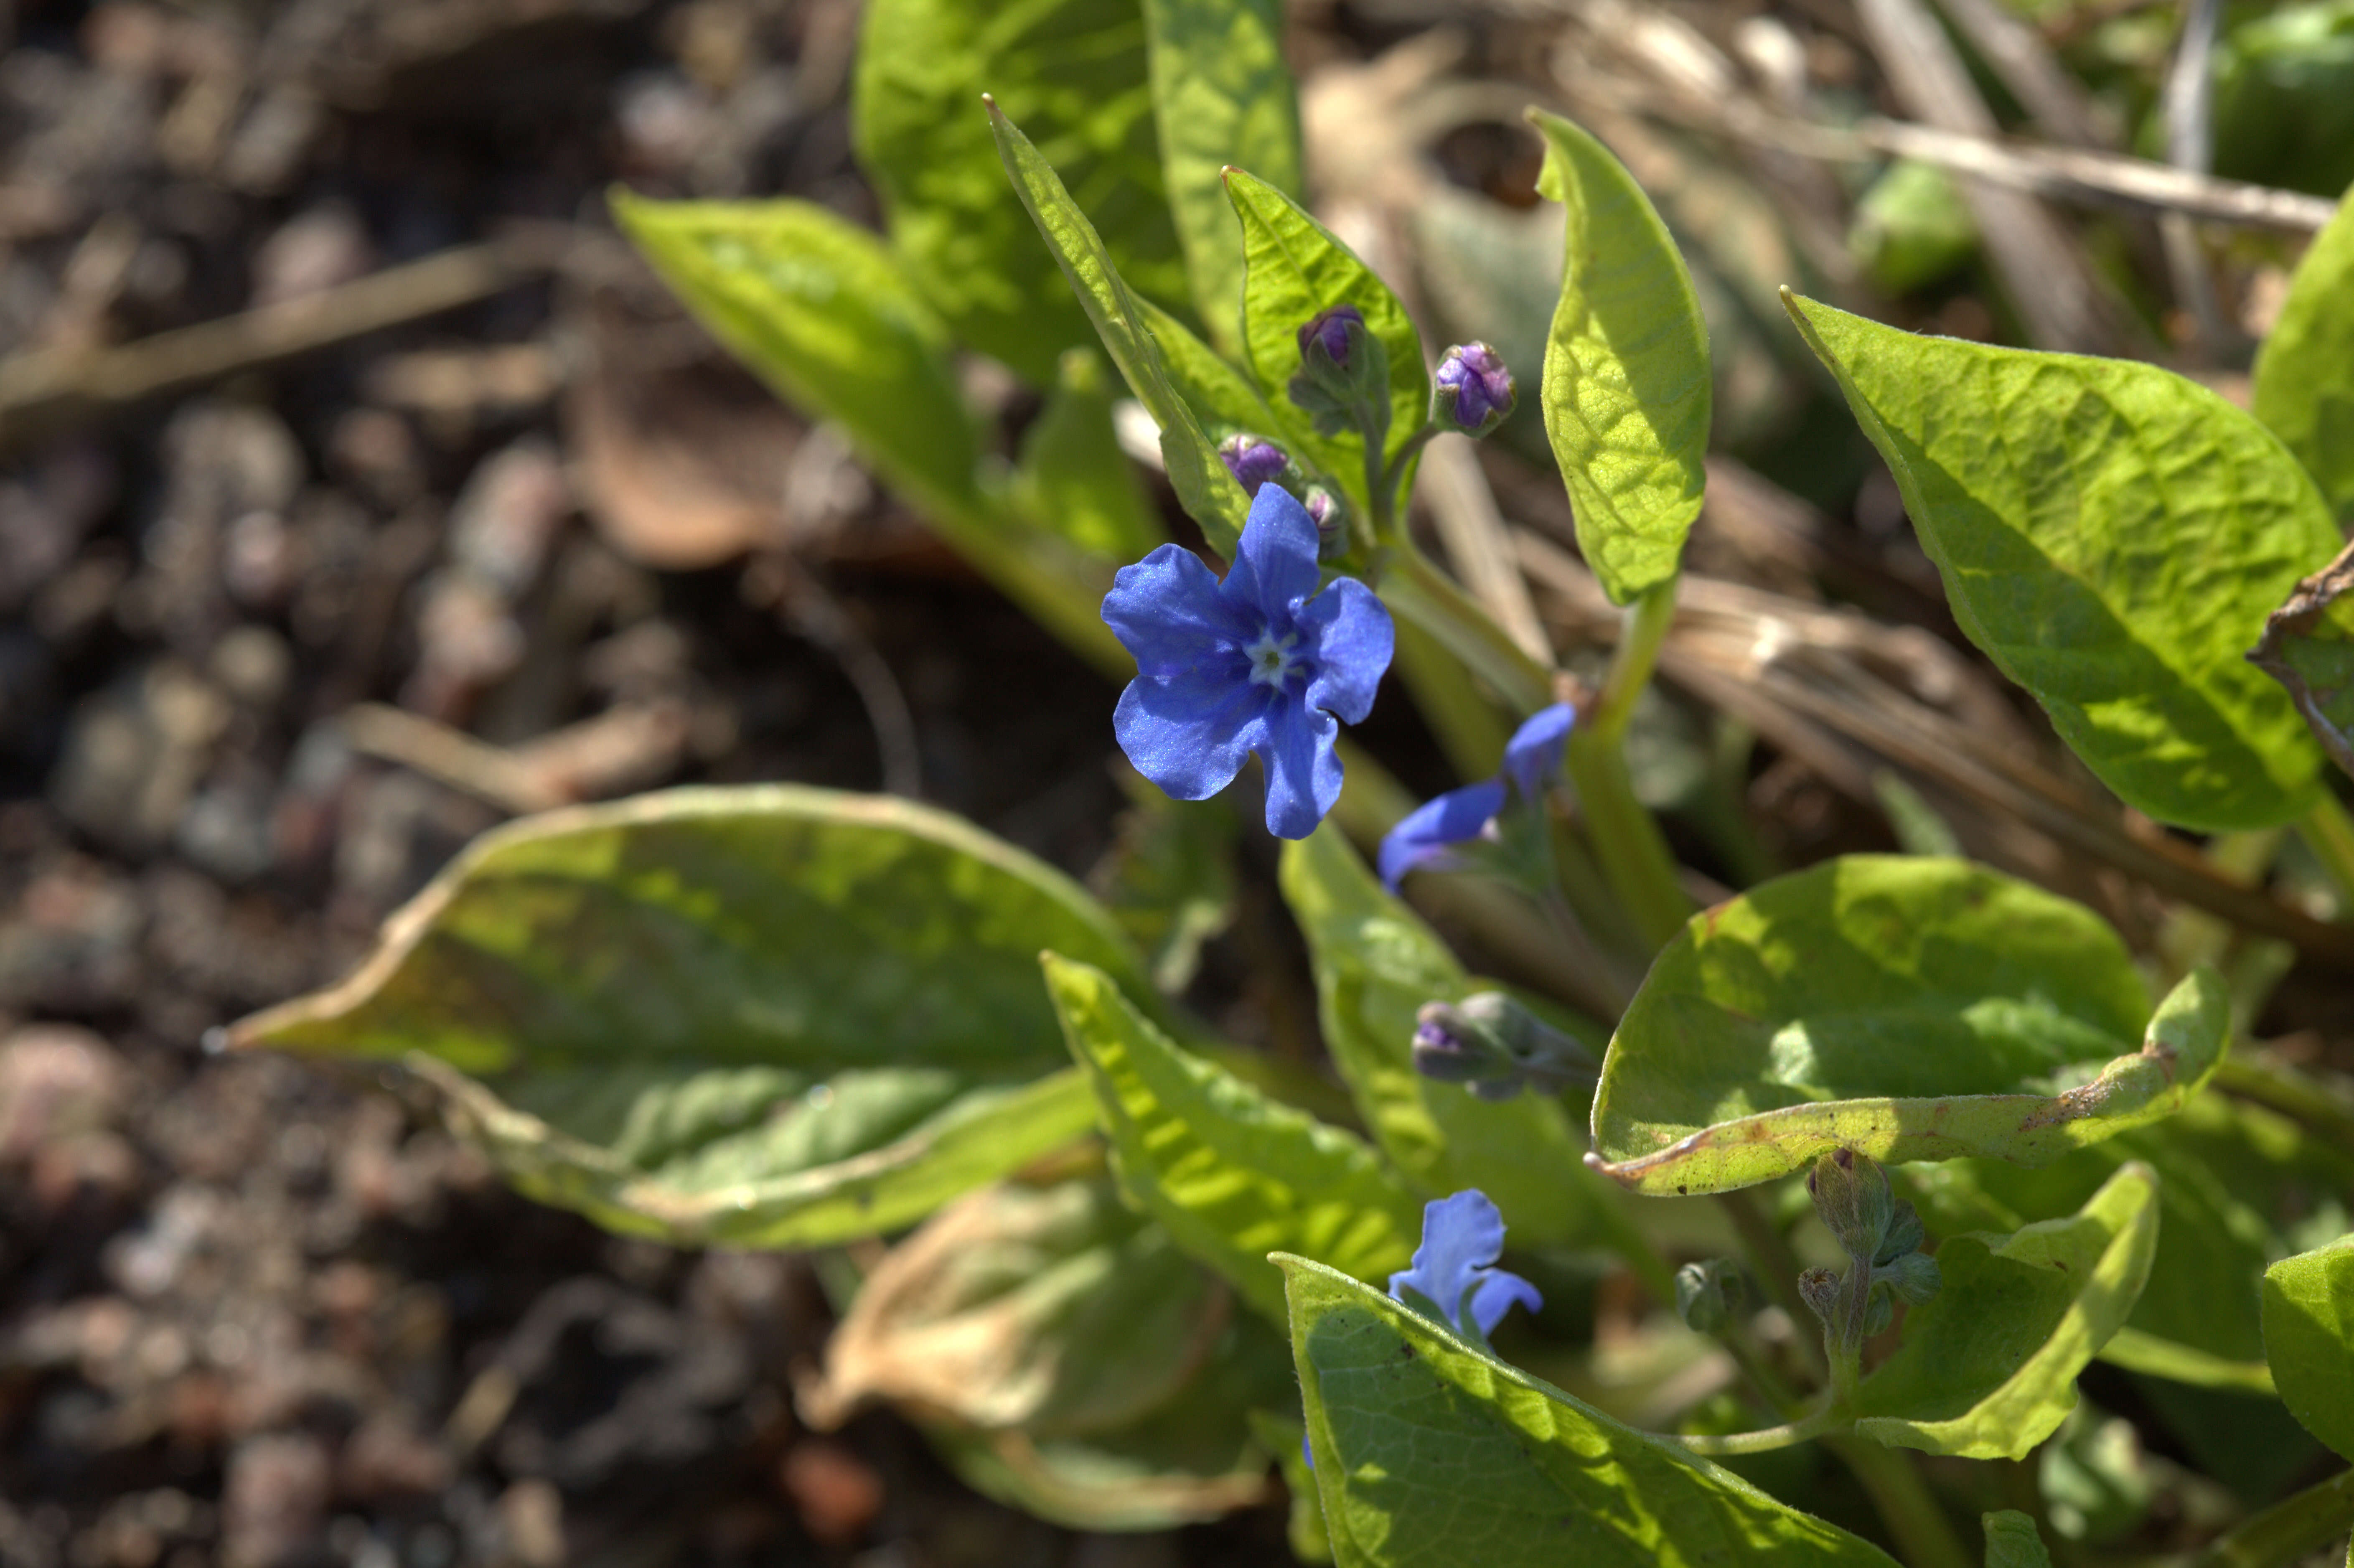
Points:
(1496, 1047)
(1255, 460)
(1882, 1236)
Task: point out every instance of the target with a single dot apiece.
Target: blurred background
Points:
(360, 489)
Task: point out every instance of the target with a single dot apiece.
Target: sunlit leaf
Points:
(2303, 386)
(1626, 387)
(2112, 536)
(1233, 1174)
(1075, 72)
(768, 1016)
(1430, 1454)
(1902, 1006)
(1221, 95)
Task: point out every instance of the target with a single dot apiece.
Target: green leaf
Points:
(1221, 396)
(1900, 1006)
(770, 1016)
(2303, 386)
(821, 309)
(1074, 70)
(1204, 488)
(1988, 1370)
(2113, 537)
(1376, 963)
(1222, 95)
(1292, 268)
(1073, 480)
(2309, 1339)
(1047, 1310)
(1169, 878)
(1627, 386)
(2012, 1540)
(1429, 1455)
(1233, 1174)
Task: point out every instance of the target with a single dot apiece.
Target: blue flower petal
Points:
(1353, 638)
(1461, 1236)
(1166, 609)
(1534, 754)
(1189, 733)
(1275, 565)
(1303, 774)
(1495, 1293)
(1422, 839)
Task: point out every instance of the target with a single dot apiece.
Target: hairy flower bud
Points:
(1914, 1277)
(1344, 374)
(1495, 1045)
(1253, 460)
(1329, 330)
(1707, 1293)
(1819, 1289)
(1474, 390)
(1850, 1193)
(1331, 520)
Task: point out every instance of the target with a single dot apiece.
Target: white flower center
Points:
(1271, 662)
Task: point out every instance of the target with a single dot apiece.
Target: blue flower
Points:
(1424, 839)
(1462, 1236)
(1260, 662)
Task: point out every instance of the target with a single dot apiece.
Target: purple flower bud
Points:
(1331, 328)
(1252, 460)
(1475, 389)
(1441, 1050)
(1331, 520)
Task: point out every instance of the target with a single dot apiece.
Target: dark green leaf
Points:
(1626, 388)
(2113, 537)
(1075, 72)
(2309, 1339)
(2304, 382)
(1292, 268)
(1169, 878)
(1376, 963)
(1429, 1455)
(1204, 488)
(769, 1016)
(1222, 96)
(2012, 1540)
(1073, 480)
(1988, 1370)
(1233, 1174)
(1904, 1007)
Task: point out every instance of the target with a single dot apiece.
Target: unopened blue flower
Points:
(1424, 839)
(1474, 388)
(1329, 328)
(1453, 1269)
(1259, 662)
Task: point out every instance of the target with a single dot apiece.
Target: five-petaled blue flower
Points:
(1453, 1269)
(1258, 662)
(1424, 838)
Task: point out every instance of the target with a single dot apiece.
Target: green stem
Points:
(2328, 832)
(1915, 1520)
(1425, 596)
(1634, 853)
(1384, 481)
(2287, 1530)
(1832, 1418)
